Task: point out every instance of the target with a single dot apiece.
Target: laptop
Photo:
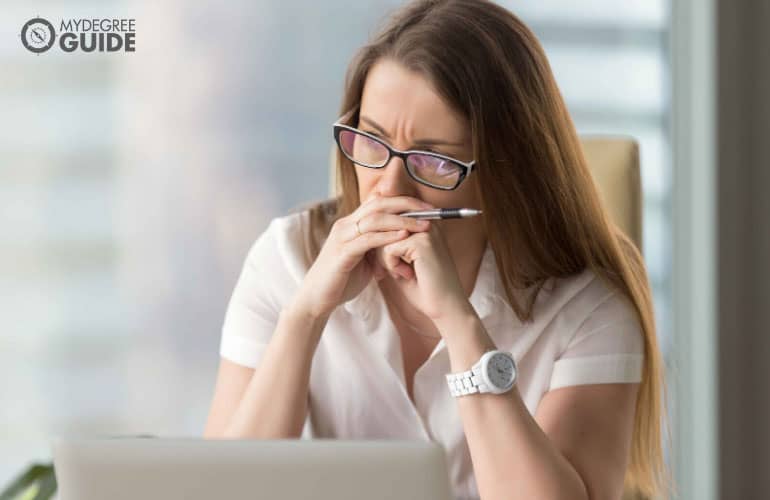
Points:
(199, 469)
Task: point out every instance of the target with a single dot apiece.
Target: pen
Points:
(443, 213)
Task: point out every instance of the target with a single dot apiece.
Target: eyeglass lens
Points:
(370, 153)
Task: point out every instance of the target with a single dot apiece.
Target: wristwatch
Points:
(495, 372)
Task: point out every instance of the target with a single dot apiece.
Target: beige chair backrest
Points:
(614, 163)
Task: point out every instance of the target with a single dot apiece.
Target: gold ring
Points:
(357, 228)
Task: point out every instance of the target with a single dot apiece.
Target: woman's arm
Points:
(273, 404)
(576, 447)
(271, 401)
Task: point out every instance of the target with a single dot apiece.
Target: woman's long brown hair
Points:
(490, 68)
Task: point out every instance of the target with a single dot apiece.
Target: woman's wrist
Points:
(466, 338)
(302, 306)
(462, 313)
(302, 312)
(305, 318)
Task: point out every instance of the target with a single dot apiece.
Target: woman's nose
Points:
(394, 179)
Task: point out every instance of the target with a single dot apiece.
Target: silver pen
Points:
(443, 213)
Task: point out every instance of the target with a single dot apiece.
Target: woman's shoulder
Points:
(587, 283)
(285, 245)
(586, 294)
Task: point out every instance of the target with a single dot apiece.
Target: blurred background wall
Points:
(132, 185)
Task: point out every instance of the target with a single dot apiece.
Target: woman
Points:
(348, 317)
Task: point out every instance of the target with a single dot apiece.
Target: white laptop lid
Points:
(198, 469)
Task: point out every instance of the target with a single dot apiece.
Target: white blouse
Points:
(582, 333)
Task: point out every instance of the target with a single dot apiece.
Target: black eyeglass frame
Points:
(465, 168)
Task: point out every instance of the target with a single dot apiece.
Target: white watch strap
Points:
(467, 382)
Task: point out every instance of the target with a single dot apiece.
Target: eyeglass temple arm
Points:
(345, 116)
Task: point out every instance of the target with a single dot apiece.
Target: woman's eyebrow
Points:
(432, 142)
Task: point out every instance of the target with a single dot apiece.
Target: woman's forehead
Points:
(397, 98)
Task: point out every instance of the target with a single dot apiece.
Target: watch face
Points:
(501, 370)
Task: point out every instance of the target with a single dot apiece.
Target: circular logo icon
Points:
(38, 35)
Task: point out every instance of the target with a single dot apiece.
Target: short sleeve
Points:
(607, 347)
(264, 286)
(252, 312)
(267, 280)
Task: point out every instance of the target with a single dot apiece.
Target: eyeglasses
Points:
(432, 169)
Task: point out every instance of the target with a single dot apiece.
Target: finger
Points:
(355, 249)
(380, 221)
(391, 204)
(394, 263)
(404, 270)
(355, 224)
